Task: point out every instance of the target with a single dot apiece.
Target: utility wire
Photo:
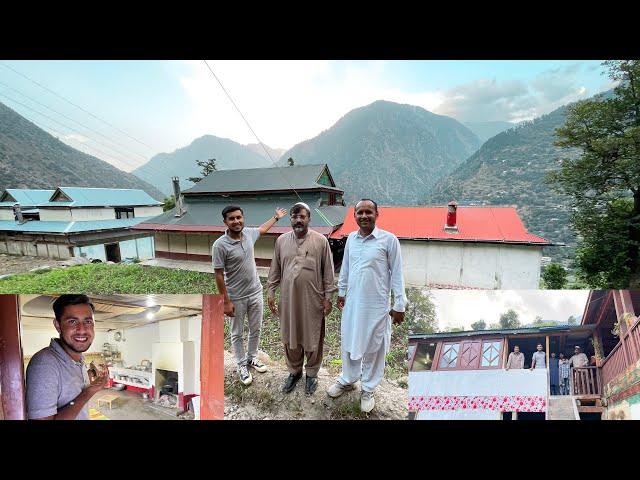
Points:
(74, 121)
(252, 131)
(127, 163)
(77, 106)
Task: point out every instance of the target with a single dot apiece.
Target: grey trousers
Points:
(251, 307)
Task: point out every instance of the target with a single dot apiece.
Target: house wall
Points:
(623, 395)
(147, 211)
(6, 214)
(32, 248)
(35, 339)
(478, 265)
(85, 214)
(137, 343)
(55, 215)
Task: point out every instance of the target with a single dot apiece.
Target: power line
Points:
(127, 163)
(252, 131)
(77, 106)
(75, 121)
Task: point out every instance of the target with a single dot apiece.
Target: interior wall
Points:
(34, 340)
(137, 343)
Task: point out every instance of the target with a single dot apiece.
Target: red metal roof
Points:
(162, 227)
(475, 224)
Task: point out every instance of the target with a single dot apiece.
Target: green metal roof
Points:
(25, 197)
(303, 177)
(256, 212)
(69, 227)
(512, 331)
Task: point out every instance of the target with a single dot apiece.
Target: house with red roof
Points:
(446, 247)
(461, 247)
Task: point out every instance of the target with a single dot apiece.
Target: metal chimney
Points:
(17, 212)
(180, 210)
(451, 225)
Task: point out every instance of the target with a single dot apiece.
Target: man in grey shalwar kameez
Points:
(302, 266)
(371, 270)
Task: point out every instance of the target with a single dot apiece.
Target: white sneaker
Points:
(337, 389)
(257, 365)
(367, 402)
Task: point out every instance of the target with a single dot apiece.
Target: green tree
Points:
(169, 203)
(290, 162)
(420, 312)
(603, 180)
(554, 276)
(509, 319)
(206, 167)
(572, 320)
(479, 325)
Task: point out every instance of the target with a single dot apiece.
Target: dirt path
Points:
(263, 400)
(11, 264)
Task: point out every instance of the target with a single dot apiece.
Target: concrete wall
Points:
(85, 214)
(492, 266)
(264, 247)
(6, 214)
(55, 215)
(46, 250)
(147, 211)
(137, 343)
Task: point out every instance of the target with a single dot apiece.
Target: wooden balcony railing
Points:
(626, 353)
(586, 381)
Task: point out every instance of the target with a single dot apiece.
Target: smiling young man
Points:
(237, 280)
(371, 269)
(58, 383)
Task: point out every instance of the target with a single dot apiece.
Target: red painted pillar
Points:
(212, 358)
(11, 366)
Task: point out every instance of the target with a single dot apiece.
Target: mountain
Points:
(182, 163)
(485, 130)
(275, 153)
(32, 158)
(389, 152)
(509, 169)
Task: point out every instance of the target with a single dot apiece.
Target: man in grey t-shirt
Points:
(539, 358)
(237, 280)
(58, 383)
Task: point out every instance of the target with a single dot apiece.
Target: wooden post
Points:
(11, 366)
(212, 358)
(548, 376)
(505, 353)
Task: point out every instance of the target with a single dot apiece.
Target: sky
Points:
(124, 112)
(461, 308)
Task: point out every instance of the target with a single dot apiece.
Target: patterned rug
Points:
(96, 415)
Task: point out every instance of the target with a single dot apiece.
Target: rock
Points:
(6, 276)
(43, 269)
(75, 261)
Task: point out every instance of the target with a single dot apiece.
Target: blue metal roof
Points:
(25, 197)
(101, 197)
(69, 227)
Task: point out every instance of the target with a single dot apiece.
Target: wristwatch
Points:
(275, 217)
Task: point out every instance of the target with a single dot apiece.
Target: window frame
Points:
(442, 345)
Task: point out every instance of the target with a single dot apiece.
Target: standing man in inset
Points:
(302, 267)
(59, 385)
(371, 270)
(237, 280)
(539, 358)
(578, 359)
(516, 359)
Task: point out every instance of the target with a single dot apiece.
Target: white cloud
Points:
(286, 102)
(76, 137)
(453, 306)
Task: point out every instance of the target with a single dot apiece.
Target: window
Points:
(491, 350)
(124, 212)
(449, 356)
(471, 355)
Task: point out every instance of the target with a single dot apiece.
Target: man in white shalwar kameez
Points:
(371, 269)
